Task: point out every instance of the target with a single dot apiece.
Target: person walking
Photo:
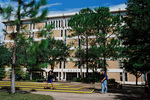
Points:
(50, 79)
(104, 79)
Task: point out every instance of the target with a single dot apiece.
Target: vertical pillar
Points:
(65, 76)
(84, 74)
(58, 76)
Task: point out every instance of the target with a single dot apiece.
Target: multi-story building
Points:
(65, 70)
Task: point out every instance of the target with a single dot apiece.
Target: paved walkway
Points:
(95, 96)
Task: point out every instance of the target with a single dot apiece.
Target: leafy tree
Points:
(103, 25)
(55, 51)
(82, 24)
(2, 72)
(107, 25)
(136, 36)
(5, 55)
(24, 9)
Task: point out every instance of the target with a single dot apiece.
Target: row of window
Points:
(121, 76)
(58, 23)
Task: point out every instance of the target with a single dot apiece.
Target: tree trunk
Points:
(136, 79)
(87, 73)
(13, 69)
(14, 51)
(104, 55)
(30, 75)
(80, 65)
(13, 79)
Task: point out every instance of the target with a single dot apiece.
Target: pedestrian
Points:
(50, 79)
(104, 79)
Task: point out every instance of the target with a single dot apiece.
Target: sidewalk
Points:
(96, 96)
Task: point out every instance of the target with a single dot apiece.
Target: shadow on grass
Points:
(8, 89)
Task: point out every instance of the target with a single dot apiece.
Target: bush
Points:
(26, 77)
(2, 72)
(86, 80)
(111, 80)
(76, 79)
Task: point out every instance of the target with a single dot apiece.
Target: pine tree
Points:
(82, 25)
(136, 36)
(5, 55)
(24, 9)
(107, 25)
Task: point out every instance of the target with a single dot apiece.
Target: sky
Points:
(69, 6)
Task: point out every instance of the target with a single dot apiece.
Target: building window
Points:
(64, 64)
(34, 26)
(56, 24)
(60, 64)
(121, 17)
(30, 26)
(65, 33)
(120, 64)
(4, 36)
(44, 35)
(126, 76)
(61, 23)
(45, 24)
(6, 27)
(61, 34)
(16, 27)
(29, 34)
(121, 76)
(53, 22)
(83, 65)
(79, 42)
(46, 65)
(144, 77)
(33, 35)
(65, 23)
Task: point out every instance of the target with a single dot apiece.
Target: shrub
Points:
(2, 72)
(76, 79)
(111, 80)
(26, 77)
(86, 80)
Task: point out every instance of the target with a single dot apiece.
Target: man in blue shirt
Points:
(104, 79)
(50, 79)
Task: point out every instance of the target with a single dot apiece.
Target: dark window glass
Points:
(126, 76)
(120, 76)
(64, 64)
(61, 34)
(33, 35)
(34, 26)
(60, 64)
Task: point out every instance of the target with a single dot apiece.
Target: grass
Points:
(23, 96)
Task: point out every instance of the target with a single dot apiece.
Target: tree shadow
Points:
(18, 90)
(124, 94)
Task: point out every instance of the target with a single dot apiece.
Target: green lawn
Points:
(23, 96)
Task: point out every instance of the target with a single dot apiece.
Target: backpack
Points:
(106, 77)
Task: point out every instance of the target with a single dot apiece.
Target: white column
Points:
(55, 24)
(65, 76)
(44, 74)
(77, 75)
(58, 76)
(84, 74)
